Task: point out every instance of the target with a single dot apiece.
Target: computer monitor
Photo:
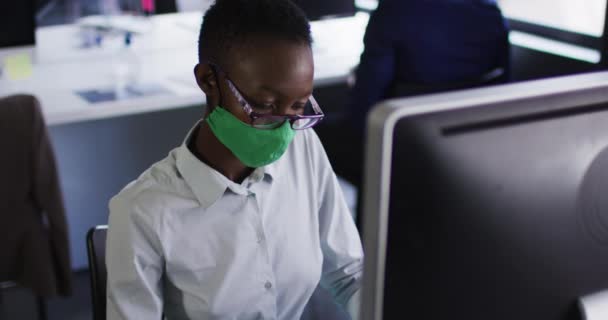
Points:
(489, 204)
(319, 9)
(17, 23)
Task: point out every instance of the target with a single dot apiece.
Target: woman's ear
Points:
(206, 79)
(208, 82)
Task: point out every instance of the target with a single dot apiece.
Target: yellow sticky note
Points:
(18, 67)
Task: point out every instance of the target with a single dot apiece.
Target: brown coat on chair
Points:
(34, 250)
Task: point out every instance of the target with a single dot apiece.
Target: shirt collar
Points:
(207, 184)
(270, 170)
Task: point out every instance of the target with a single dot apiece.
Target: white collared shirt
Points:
(186, 242)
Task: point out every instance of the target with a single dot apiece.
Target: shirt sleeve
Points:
(134, 263)
(340, 241)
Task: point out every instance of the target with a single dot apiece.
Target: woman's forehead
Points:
(282, 65)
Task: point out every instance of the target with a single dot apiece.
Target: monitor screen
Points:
(585, 17)
(17, 23)
(489, 203)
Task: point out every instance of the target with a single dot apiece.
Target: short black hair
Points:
(230, 23)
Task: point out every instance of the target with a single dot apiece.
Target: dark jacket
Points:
(427, 42)
(34, 248)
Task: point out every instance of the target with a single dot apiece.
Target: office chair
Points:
(494, 76)
(96, 251)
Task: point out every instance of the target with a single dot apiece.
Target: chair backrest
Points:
(494, 76)
(96, 250)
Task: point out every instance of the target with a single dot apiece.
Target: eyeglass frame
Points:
(319, 115)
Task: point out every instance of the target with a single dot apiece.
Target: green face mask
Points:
(253, 147)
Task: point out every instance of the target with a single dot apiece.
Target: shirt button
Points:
(268, 285)
(260, 238)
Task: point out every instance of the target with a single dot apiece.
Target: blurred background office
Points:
(114, 82)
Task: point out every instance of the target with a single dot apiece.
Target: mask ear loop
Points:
(217, 79)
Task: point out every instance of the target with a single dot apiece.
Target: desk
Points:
(102, 147)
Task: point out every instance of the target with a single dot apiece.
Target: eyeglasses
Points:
(269, 121)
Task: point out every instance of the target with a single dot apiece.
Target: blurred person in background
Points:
(425, 46)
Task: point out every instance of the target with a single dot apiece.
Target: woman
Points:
(245, 218)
